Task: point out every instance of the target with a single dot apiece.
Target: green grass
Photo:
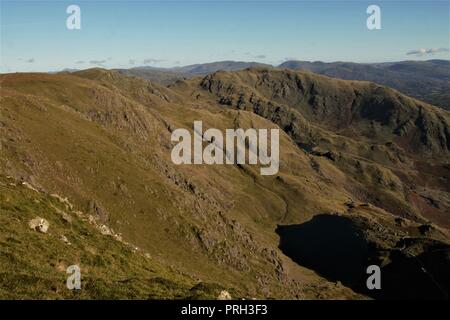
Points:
(33, 264)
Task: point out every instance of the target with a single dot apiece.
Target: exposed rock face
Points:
(105, 230)
(29, 186)
(62, 200)
(290, 99)
(39, 224)
(98, 211)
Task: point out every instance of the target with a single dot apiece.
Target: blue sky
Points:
(122, 34)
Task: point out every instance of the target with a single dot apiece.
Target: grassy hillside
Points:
(102, 140)
(33, 264)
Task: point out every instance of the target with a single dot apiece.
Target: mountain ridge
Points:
(106, 146)
(426, 80)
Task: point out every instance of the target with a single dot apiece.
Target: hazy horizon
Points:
(174, 67)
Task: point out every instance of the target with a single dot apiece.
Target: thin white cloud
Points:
(425, 51)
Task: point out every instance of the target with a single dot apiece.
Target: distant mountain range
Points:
(425, 80)
(170, 75)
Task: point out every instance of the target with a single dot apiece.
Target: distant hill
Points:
(426, 80)
(170, 75)
(159, 75)
(206, 68)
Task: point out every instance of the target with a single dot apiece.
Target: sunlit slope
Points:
(34, 264)
(347, 148)
(89, 137)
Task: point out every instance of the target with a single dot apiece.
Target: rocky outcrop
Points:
(39, 224)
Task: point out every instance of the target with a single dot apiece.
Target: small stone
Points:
(66, 217)
(62, 200)
(224, 295)
(105, 230)
(64, 239)
(79, 214)
(29, 186)
(39, 224)
(91, 219)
